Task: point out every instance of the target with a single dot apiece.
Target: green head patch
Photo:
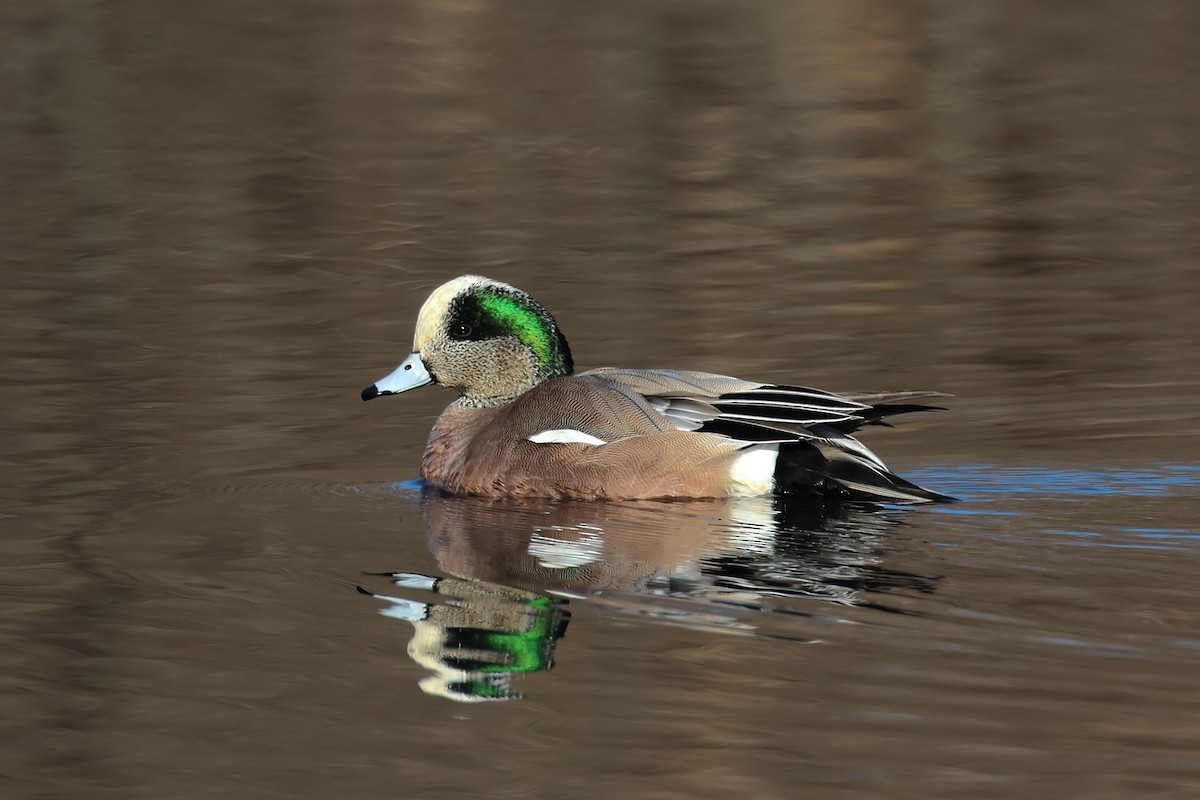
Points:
(489, 314)
(533, 329)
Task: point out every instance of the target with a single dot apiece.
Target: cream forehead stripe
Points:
(435, 309)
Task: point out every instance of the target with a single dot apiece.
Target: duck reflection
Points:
(479, 636)
(736, 565)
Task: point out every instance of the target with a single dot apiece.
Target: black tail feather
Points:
(808, 468)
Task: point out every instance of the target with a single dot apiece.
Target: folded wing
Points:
(817, 422)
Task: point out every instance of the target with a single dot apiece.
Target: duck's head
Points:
(489, 341)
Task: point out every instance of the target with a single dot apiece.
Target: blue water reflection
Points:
(979, 481)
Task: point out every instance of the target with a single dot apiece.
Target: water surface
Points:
(220, 581)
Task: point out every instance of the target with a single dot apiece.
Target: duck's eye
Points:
(460, 330)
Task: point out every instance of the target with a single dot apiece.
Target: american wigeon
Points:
(525, 425)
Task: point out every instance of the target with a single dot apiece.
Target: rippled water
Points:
(221, 579)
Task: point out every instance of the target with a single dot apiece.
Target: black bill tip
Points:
(370, 393)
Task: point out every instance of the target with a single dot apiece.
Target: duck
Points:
(525, 424)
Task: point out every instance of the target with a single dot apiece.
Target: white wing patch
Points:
(753, 472)
(565, 436)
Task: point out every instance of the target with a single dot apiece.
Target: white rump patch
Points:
(753, 472)
(565, 436)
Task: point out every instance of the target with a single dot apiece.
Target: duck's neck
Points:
(515, 374)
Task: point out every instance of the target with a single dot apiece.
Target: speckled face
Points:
(488, 340)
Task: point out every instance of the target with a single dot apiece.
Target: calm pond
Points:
(221, 577)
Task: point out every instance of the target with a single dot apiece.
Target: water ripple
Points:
(984, 481)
